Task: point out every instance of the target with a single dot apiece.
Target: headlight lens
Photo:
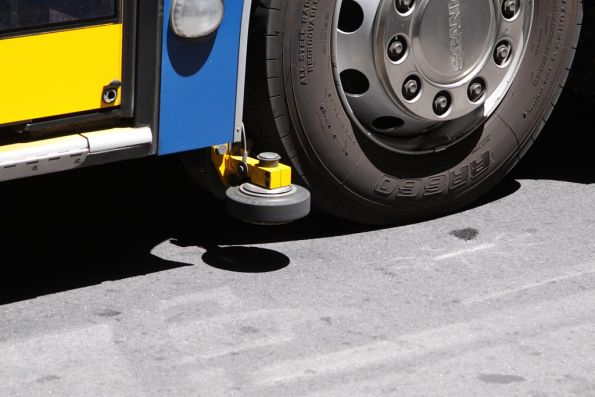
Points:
(192, 19)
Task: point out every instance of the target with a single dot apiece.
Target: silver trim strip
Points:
(60, 154)
(117, 138)
(241, 83)
(42, 157)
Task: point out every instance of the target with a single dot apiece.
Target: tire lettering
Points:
(390, 187)
(458, 179)
(436, 185)
(409, 188)
(306, 40)
(386, 185)
(478, 167)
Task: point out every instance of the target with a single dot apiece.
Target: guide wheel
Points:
(261, 206)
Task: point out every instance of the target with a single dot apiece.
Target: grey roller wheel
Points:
(260, 206)
(397, 110)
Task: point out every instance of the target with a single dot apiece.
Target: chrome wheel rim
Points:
(418, 75)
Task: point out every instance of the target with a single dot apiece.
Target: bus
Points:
(378, 111)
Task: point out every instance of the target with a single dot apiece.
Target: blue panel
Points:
(198, 85)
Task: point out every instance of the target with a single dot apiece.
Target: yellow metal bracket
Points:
(266, 173)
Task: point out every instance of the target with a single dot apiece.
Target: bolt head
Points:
(404, 6)
(397, 49)
(510, 8)
(411, 88)
(502, 53)
(476, 91)
(441, 104)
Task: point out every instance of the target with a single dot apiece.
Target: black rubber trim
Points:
(71, 124)
(148, 66)
(112, 156)
(128, 58)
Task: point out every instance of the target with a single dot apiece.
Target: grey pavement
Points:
(127, 281)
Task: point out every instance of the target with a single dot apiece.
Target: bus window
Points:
(23, 15)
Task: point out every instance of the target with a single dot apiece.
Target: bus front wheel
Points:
(391, 111)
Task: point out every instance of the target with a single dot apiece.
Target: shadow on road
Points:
(564, 150)
(72, 230)
(245, 259)
(81, 228)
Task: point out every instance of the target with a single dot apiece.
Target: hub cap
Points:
(415, 71)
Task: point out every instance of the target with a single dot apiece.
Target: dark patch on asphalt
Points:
(108, 313)
(466, 234)
(500, 378)
(452, 302)
(327, 320)
(46, 379)
(386, 272)
(247, 329)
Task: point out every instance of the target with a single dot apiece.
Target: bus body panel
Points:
(199, 81)
(61, 67)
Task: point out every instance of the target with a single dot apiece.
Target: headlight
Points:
(192, 19)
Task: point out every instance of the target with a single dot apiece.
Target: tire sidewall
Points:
(458, 175)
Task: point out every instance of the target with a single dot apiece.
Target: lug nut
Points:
(476, 90)
(502, 53)
(411, 88)
(403, 6)
(442, 103)
(397, 49)
(510, 8)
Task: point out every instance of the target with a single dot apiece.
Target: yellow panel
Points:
(57, 73)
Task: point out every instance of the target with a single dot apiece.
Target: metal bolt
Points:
(243, 170)
(268, 159)
(502, 53)
(403, 6)
(397, 49)
(411, 88)
(476, 90)
(110, 92)
(110, 95)
(442, 103)
(510, 8)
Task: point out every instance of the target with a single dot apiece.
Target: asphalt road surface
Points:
(125, 280)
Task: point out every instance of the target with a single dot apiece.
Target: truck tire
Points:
(393, 111)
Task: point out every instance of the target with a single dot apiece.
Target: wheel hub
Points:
(408, 68)
(450, 42)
